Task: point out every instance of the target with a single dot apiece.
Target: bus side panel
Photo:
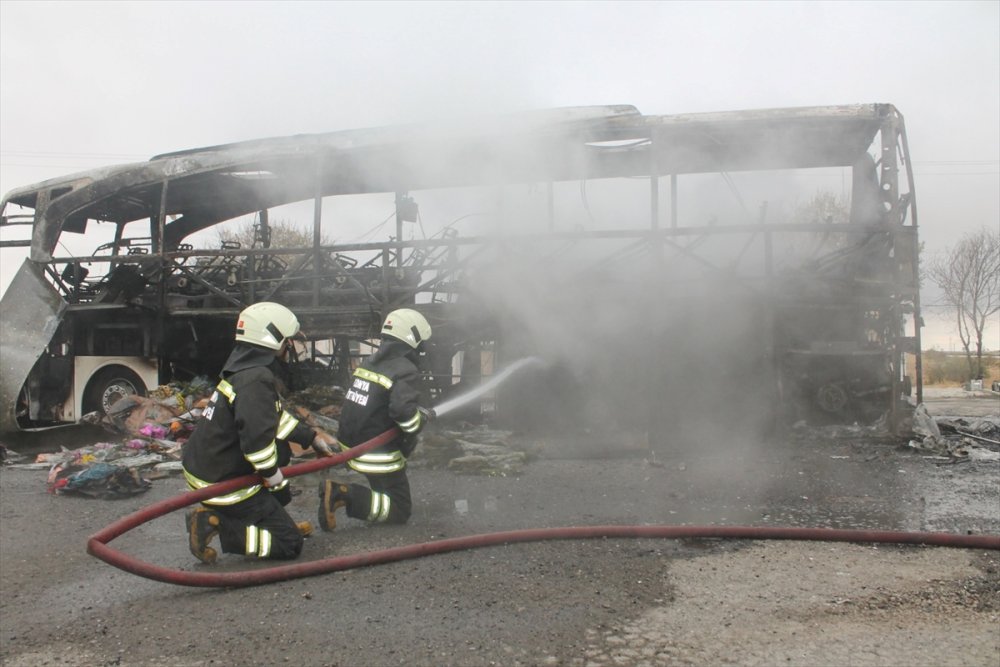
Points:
(30, 313)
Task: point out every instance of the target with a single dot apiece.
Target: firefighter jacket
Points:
(383, 394)
(243, 429)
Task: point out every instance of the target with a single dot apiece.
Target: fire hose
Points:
(97, 545)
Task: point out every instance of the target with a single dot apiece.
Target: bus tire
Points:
(110, 385)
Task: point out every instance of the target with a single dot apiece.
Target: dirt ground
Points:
(588, 603)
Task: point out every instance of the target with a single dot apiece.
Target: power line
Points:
(53, 166)
(961, 162)
(60, 154)
(959, 173)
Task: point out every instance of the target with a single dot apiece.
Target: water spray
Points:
(469, 396)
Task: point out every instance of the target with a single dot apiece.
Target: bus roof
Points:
(211, 184)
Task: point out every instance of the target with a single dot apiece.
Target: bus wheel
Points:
(109, 386)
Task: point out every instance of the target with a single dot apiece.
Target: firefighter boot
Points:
(332, 495)
(305, 528)
(202, 527)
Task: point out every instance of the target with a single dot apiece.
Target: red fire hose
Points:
(97, 545)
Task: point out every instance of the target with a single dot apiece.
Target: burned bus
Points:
(768, 257)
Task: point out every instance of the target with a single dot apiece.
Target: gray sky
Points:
(85, 84)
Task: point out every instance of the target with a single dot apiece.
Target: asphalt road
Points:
(580, 603)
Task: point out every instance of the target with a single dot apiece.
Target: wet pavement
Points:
(574, 602)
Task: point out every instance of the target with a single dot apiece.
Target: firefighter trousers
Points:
(386, 499)
(259, 526)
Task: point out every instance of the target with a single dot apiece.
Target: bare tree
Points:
(825, 207)
(969, 275)
(278, 233)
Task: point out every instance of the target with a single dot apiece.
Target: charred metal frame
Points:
(171, 287)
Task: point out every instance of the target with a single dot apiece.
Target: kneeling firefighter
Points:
(383, 394)
(244, 430)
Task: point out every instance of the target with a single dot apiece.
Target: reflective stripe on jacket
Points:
(377, 462)
(383, 394)
(228, 499)
(243, 429)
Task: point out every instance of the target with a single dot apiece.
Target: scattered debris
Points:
(9, 456)
(315, 419)
(169, 411)
(98, 480)
(325, 399)
(957, 438)
(105, 469)
(924, 424)
(474, 451)
(153, 430)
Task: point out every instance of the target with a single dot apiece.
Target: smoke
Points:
(633, 344)
(668, 340)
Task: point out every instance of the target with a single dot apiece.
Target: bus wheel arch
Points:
(110, 384)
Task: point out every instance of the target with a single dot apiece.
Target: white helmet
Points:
(408, 326)
(266, 324)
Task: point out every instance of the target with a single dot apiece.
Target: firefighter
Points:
(244, 430)
(383, 395)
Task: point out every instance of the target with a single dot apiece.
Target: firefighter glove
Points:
(274, 480)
